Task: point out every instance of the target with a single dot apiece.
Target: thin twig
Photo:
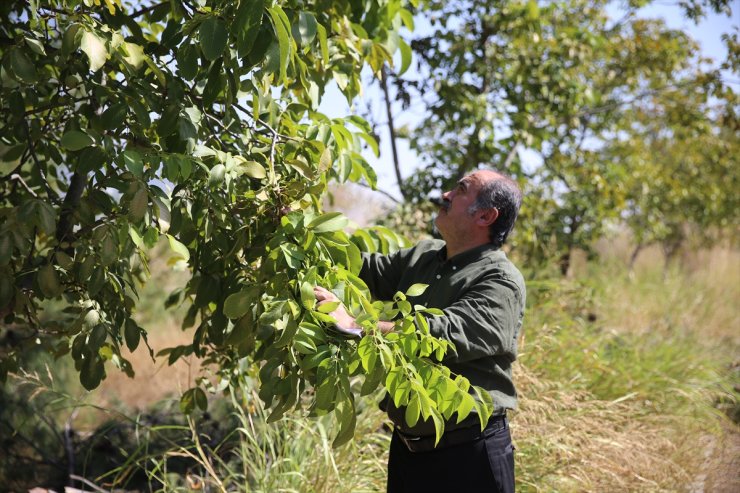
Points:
(146, 10)
(88, 483)
(383, 192)
(17, 177)
(42, 175)
(52, 106)
(511, 155)
(68, 444)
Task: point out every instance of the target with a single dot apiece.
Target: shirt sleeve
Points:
(484, 321)
(382, 273)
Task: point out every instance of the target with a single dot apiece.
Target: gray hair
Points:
(503, 194)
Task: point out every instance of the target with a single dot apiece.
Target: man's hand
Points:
(345, 322)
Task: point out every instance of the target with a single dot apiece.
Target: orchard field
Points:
(171, 190)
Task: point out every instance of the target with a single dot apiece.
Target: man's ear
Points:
(487, 217)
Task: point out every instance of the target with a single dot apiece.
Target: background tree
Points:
(195, 123)
(501, 80)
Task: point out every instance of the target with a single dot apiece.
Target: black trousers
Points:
(483, 465)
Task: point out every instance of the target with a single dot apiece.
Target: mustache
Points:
(440, 202)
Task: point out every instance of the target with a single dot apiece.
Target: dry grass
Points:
(155, 379)
(570, 441)
(698, 296)
(618, 386)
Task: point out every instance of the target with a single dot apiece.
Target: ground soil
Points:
(721, 470)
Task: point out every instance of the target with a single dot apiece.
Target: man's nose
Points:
(447, 196)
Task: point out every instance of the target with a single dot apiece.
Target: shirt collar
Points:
(470, 256)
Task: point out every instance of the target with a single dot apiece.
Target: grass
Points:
(621, 375)
(626, 382)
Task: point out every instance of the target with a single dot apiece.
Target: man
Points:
(482, 296)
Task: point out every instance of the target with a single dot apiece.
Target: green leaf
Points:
(108, 250)
(139, 203)
(134, 55)
(466, 405)
(328, 307)
(94, 48)
(167, 124)
(331, 221)
(238, 304)
(416, 289)
(7, 288)
(114, 116)
(200, 399)
(439, 426)
(281, 32)
(347, 423)
(64, 260)
(405, 57)
(97, 337)
(325, 394)
(46, 217)
(70, 40)
(180, 250)
(35, 45)
(247, 23)
(253, 169)
(49, 281)
(324, 44)
(187, 401)
(407, 18)
(92, 372)
(413, 410)
(217, 175)
(74, 140)
(371, 142)
(22, 66)
(372, 380)
(132, 334)
(422, 323)
(484, 405)
(325, 160)
(133, 162)
(308, 299)
(305, 30)
(187, 61)
(213, 36)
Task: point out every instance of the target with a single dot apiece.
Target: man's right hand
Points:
(345, 322)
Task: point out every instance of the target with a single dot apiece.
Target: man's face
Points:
(453, 217)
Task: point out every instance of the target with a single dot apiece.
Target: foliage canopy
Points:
(194, 123)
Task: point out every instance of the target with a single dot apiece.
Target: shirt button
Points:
(439, 277)
(454, 267)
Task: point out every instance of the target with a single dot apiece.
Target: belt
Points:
(452, 437)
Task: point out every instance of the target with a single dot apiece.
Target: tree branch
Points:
(391, 128)
(146, 10)
(17, 177)
(383, 192)
(70, 204)
(42, 175)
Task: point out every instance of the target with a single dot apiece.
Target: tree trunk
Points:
(564, 262)
(633, 257)
(391, 129)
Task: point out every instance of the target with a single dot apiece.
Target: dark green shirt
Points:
(482, 295)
